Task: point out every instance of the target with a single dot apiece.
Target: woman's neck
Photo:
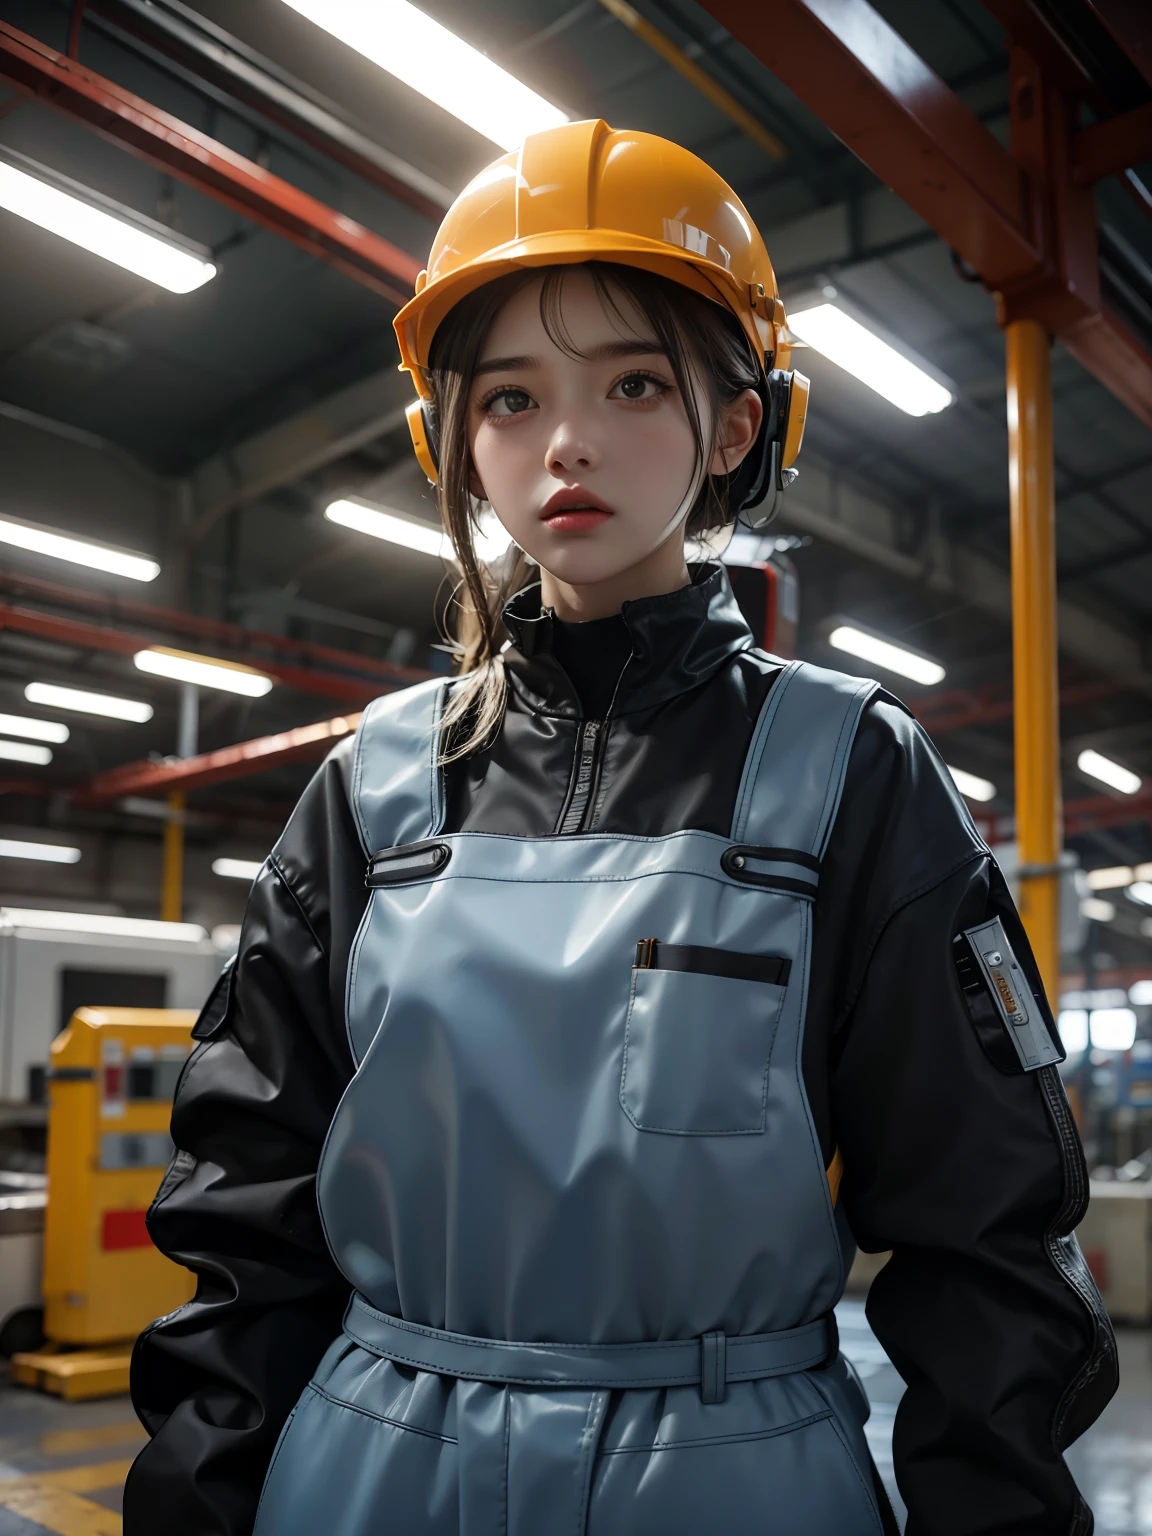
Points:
(664, 570)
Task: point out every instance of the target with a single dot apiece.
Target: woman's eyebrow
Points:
(604, 352)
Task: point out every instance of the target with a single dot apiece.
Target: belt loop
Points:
(832, 1353)
(713, 1367)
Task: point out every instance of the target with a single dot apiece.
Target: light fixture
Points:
(85, 703)
(1110, 879)
(1140, 994)
(26, 752)
(861, 353)
(61, 546)
(883, 653)
(1103, 768)
(237, 869)
(490, 541)
(394, 527)
(38, 730)
(92, 922)
(971, 786)
(47, 853)
(1141, 891)
(1095, 910)
(1100, 997)
(204, 671)
(425, 55)
(1073, 1026)
(88, 219)
(1113, 1029)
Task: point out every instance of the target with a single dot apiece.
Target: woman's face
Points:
(589, 463)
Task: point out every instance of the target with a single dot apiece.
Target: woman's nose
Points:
(570, 450)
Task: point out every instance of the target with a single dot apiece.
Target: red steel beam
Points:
(247, 757)
(1017, 217)
(959, 708)
(1115, 145)
(863, 81)
(1099, 811)
(181, 151)
(97, 637)
(237, 636)
(1130, 23)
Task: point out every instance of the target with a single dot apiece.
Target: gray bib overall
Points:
(575, 1182)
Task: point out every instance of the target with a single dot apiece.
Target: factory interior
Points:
(217, 547)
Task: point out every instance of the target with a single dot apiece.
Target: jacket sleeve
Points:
(214, 1381)
(974, 1178)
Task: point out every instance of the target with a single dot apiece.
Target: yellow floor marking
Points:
(64, 1513)
(69, 1442)
(53, 1499)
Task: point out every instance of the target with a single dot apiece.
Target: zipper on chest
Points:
(589, 749)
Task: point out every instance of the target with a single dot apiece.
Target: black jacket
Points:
(971, 1176)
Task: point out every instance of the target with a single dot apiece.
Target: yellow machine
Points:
(111, 1081)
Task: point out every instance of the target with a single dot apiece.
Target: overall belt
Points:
(708, 1362)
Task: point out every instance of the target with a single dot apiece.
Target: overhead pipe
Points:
(98, 637)
(207, 768)
(179, 150)
(238, 637)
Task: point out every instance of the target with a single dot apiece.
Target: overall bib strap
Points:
(794, 771)
(708, 1363)
(396, 788)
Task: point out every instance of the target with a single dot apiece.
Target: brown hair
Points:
(702, 343)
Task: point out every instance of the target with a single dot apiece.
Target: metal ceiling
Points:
(210, 429)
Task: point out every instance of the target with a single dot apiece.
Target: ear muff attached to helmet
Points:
(767, 470)
(424, 429)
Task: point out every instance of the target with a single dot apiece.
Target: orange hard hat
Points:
(587, 192)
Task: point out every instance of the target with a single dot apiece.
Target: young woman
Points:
(594, 1003)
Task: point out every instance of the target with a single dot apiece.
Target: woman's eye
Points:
(638, 386)
(509, 402)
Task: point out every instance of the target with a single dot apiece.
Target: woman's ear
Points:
(739, 425)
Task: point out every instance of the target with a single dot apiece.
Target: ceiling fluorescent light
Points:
(1110, 879)
(1108, 772)
(91, 922)
(970, 786)
(490, 541)
(26, 752)
(861, 353)
(88, 219)
(61, 546)
(204, 671)
(884, 654)
(1141, 892)
(1140, 994)
(55, 697)
(38, 730)
(237, 869)
(1073, 1026)
(1095, 910)
(425, 55)
(47, 853)
(1113, 1029)
(392, 526)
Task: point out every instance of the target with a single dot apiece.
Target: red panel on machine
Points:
(125, 1229)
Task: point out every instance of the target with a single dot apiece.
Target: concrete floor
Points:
(62, 1465)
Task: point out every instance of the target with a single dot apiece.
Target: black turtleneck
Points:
(593, 652)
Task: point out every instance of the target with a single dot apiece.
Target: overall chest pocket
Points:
(698, 1039)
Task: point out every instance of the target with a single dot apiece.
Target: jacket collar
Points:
(679, 639)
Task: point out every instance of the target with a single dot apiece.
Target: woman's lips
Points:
(573, 509)
(576, 519)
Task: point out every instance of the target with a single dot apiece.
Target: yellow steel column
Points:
(172, 889)
(1039, 812)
